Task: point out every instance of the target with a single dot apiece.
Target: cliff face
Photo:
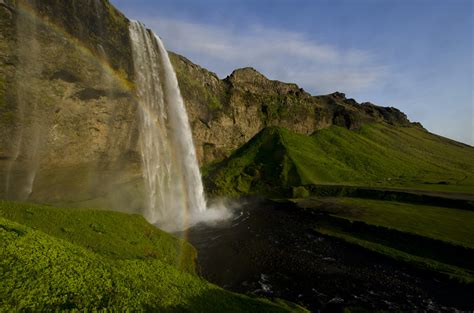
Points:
(68, 120)
(227, 113)
(67, 114)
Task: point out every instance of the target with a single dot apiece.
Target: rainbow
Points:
(119, 78)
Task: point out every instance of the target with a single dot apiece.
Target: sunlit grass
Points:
(454, 272)
(439, 239)
(87, 260)
(451, 225)
(112, 234)
(375, 155)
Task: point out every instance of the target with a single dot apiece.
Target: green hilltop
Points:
(375, 155)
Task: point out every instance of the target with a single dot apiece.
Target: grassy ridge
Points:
(375, 155)
(259, 166)
(444, 224)
(121, 263)
(430, 237)
(457, 273)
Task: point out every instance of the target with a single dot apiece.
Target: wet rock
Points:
(335, 305)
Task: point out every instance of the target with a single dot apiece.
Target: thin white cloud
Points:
(282, 55)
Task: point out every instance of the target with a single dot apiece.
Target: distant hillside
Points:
(374, 155)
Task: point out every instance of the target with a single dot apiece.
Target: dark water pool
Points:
(272, 250)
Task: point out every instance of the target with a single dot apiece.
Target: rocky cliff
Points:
(227, 113)
(68, 122)
(67, 112)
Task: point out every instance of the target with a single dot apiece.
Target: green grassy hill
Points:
(376, 155)
(75, 259)
(439, 239)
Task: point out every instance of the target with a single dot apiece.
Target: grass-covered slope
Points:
(375, 155)
(66, 259)
(445, 224)
(429, 237)
(111, 234)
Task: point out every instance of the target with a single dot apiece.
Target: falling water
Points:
(171, 172)
(25, 163)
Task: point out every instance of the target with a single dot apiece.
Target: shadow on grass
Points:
(219, 300)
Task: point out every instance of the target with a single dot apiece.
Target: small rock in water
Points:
(264, 277)
(335, 305)
(267, 288)
(319, 294)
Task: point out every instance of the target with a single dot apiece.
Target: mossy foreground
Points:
(377, 155)
(68, 259)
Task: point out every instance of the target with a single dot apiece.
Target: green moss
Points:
(300, 192)
(111, 234)
(44, 273)
(251, 170)
(54, 259)
(193, 88)
(279, 107)
(213, 102)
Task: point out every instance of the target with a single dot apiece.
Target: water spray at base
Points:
(174, 190)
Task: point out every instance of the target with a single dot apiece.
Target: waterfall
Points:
(29, 137)
(174, 190)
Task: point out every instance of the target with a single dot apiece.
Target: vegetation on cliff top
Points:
(67, 259)
(197, 84)
(375, 155)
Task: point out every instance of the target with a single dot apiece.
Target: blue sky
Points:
(416, 55)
